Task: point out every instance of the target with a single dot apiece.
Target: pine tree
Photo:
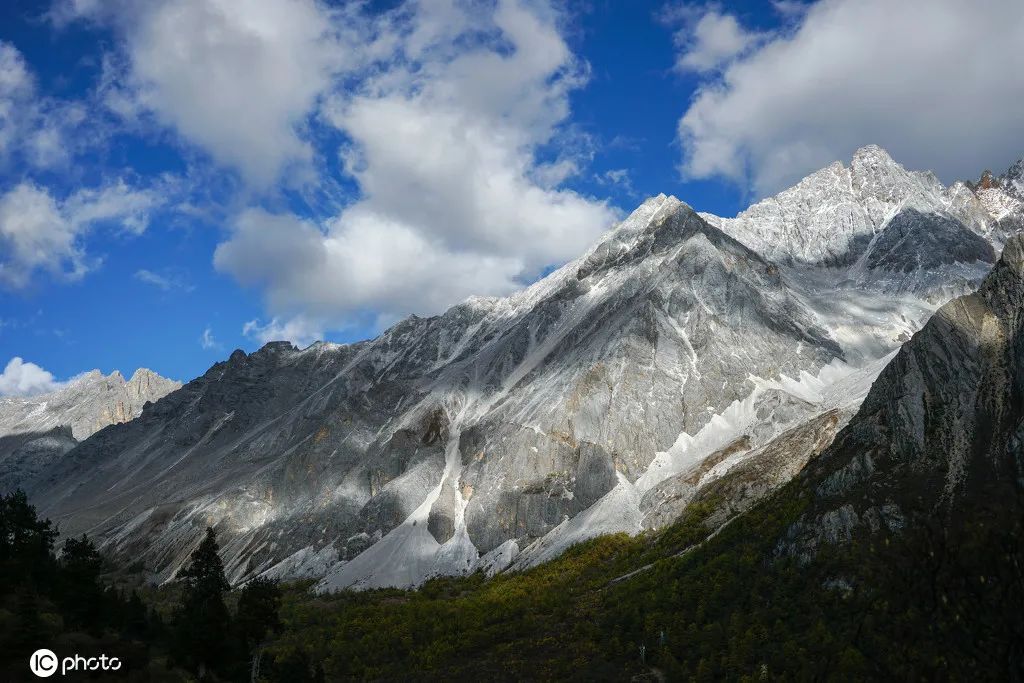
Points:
(81, 592)
(203, 620)
(26, 544)
(257, 618)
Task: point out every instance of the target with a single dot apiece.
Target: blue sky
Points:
(180, 178)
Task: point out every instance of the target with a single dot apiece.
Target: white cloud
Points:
(35, 236)
(709, 39)
(908, 75)
(443, 137)
(236, 77)
(444, 107)
(167, 280)
(38, 233)
(21, 378)
(15, 91)
(155, 279)
(37, 131)
(618, 177)
(117, 202)
(207, 341)
(299, 330)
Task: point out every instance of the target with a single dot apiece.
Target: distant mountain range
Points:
(37, 430)
(683, 355)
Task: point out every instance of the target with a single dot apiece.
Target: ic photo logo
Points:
(44, 663)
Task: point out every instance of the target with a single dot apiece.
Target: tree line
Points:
(62, 599)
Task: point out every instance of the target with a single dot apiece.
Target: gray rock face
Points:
(912, 240)
(940, 427)
(586, 403)
(36, 431)
(498, 419)
(88, 404)
(24, 455)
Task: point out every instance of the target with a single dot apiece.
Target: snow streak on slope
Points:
(836, 386)
(663, 357)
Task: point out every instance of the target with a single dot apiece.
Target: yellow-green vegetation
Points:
(562, 619)
(727, 608)
(942, 600)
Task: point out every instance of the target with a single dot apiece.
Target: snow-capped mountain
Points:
(830, 216)
(605, 397)
(884, 227)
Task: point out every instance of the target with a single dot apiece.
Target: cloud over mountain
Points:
(903, 75)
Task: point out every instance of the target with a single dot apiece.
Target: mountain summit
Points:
(605, 397)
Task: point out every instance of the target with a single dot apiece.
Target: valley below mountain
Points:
(786, 444)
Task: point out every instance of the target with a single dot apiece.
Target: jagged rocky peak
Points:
(86, 404)
(831, 216)
(826, 215)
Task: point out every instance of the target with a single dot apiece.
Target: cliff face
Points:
(942, 429)
(87, 404)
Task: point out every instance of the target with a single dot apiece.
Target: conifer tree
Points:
(81, 592)
(202, 621)
(257, 618)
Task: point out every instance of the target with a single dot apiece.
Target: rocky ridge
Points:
(941, 430)
(681, 353)
(36, 431)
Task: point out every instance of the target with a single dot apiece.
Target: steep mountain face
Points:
(447, 437)
(941, 430)
(38, 430)
(670, 362)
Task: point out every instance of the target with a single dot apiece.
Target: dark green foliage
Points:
(258, 607)
(202, 623)
(26, 542)
(257, 618)
(943, 600)
(62, 604)
(80, 592)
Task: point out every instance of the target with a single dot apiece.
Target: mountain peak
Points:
(872, 153)
(87, 404)
(832, 212)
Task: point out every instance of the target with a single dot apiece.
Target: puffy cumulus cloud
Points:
(707, 38)
(36, 236)
(236, 77)
(40, 234)
(21, 378)
(443, 138)
(368, 265)
(453, 121)
(909, 76)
